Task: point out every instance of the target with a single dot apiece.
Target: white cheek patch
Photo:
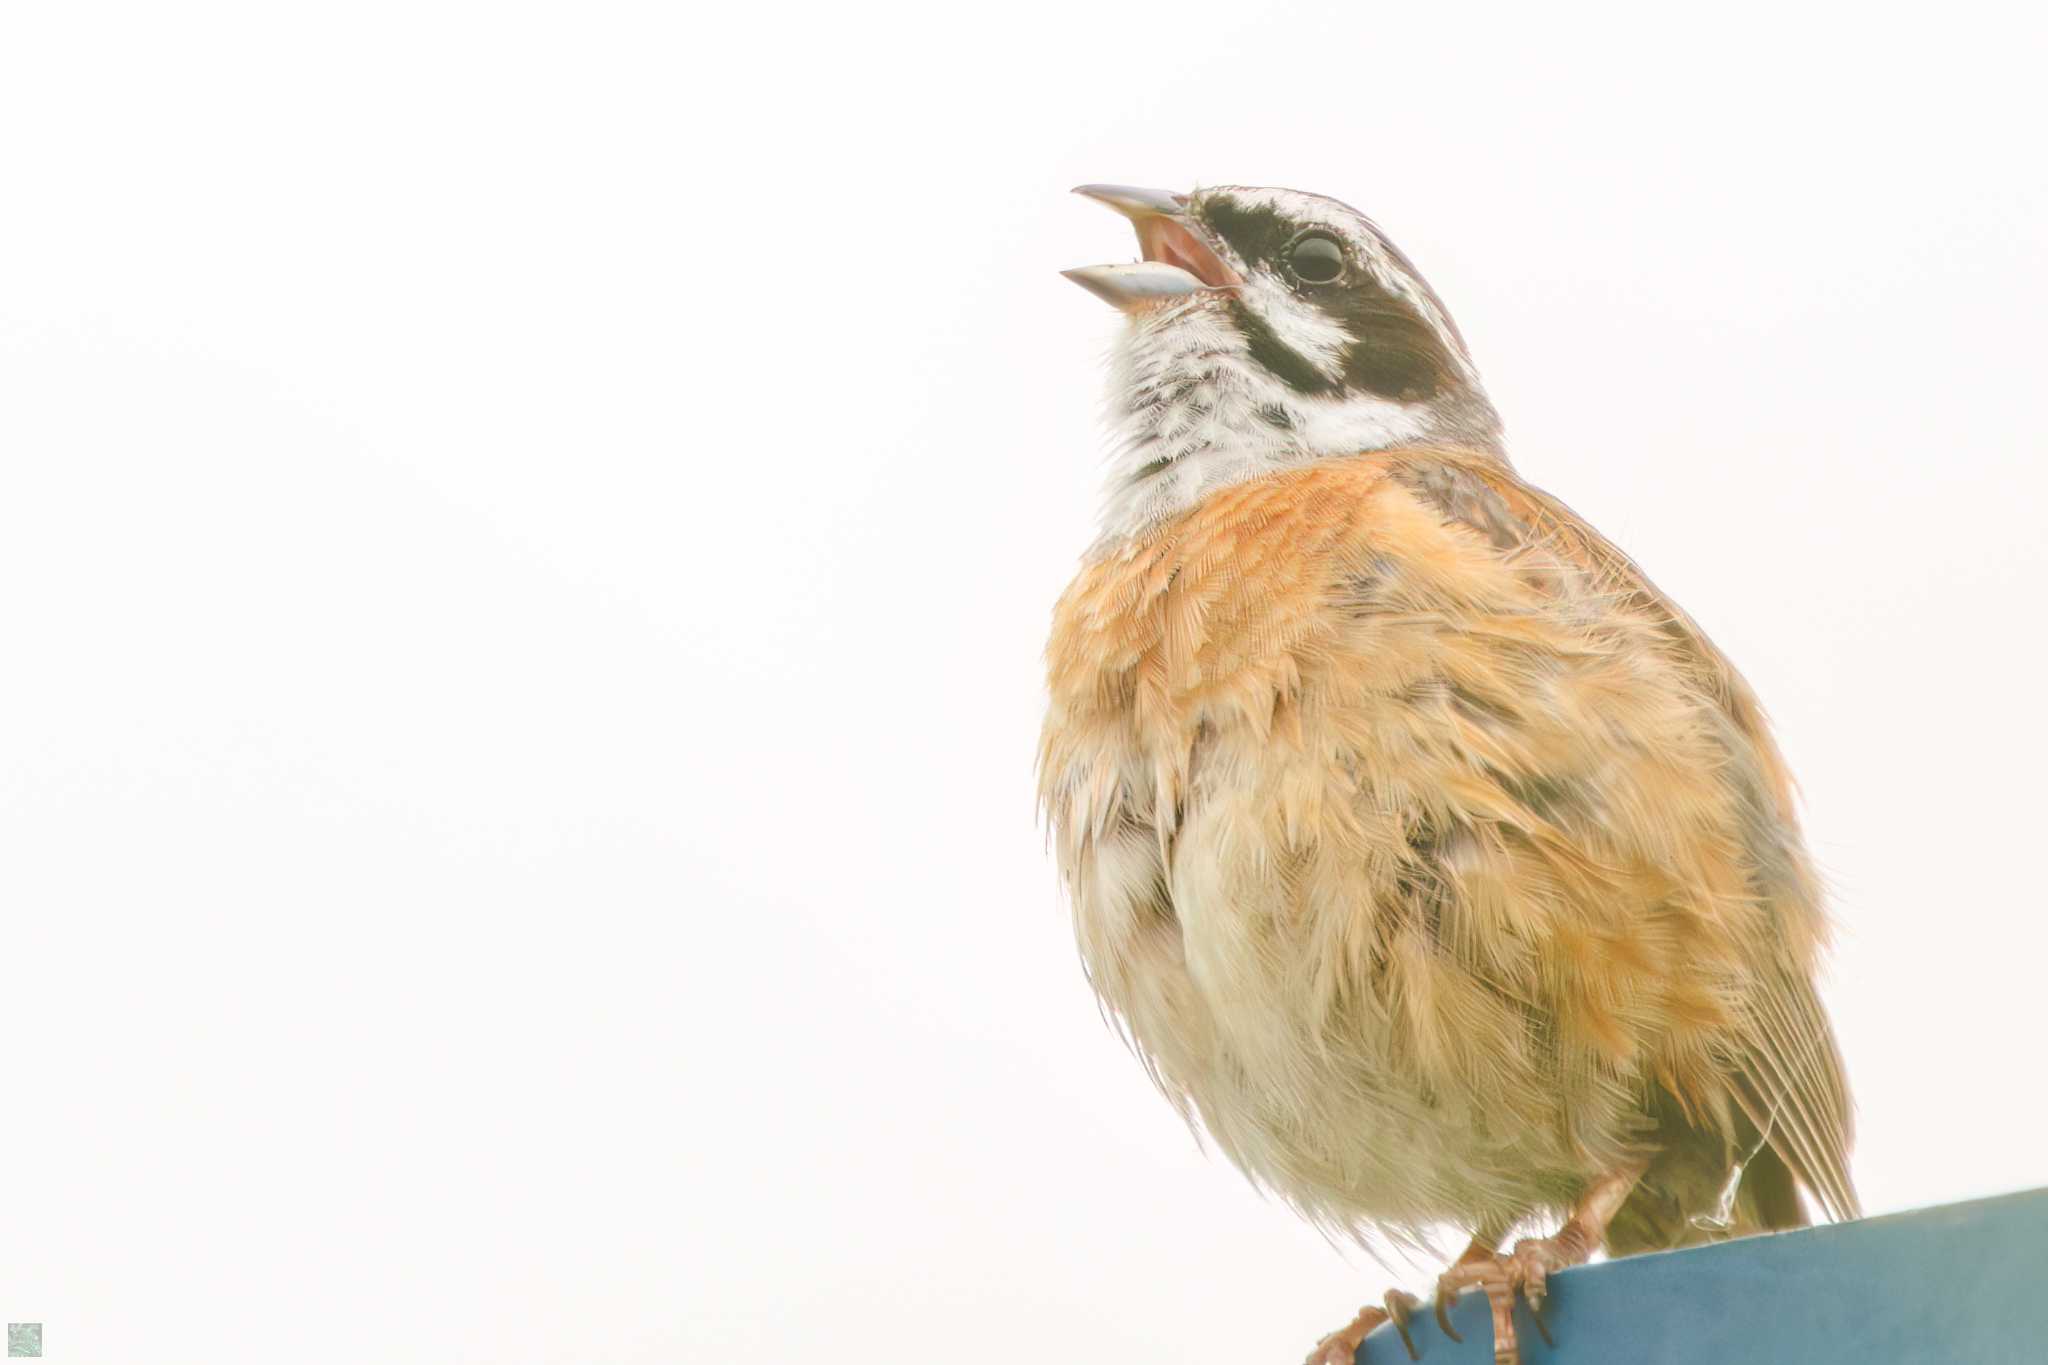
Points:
(1361, 423)
(1297, 324)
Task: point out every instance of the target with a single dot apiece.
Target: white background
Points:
(525, 537)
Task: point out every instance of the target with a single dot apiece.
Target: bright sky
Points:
(528, 532)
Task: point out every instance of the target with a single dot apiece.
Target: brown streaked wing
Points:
(1789, 1081)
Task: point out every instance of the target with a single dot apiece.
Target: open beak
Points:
(1177, 262)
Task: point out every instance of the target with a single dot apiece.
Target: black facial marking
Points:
(1257, 231)
(1394, 353)
(1293, 368)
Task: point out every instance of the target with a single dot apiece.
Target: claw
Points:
(1542, 1328)
(1401, 1307)
(1503, 1278)
(1443, 1316)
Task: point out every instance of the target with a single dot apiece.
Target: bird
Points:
(1434, 863)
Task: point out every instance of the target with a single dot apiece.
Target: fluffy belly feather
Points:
(1410, 859)
(1232, 974)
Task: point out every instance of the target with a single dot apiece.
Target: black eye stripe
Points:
(1258, 232)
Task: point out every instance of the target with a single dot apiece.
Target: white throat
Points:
(1191, 413)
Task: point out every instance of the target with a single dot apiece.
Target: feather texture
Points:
(1429, 857)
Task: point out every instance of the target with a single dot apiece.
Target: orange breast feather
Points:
(1391, 797)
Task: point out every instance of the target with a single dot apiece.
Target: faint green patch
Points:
(24, 1339)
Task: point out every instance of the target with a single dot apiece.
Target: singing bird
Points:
(1434, 862)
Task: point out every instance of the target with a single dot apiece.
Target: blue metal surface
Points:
(1963, 1284)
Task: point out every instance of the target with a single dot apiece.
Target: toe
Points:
(1341, 1346)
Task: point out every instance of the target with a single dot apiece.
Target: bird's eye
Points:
(1316, 258)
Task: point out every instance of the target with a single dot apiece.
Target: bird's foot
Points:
(1341, 1346)
(1525, 1271)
